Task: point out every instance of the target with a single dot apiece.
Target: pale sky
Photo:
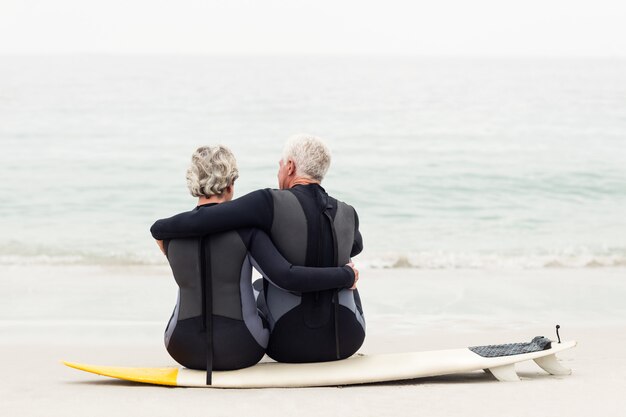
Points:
(269, 27)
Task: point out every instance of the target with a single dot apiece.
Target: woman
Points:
(216, 324)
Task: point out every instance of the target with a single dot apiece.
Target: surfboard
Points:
(358, 369)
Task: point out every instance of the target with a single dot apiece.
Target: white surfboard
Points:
(358, 369)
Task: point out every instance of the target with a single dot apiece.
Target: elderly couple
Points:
(306, 308)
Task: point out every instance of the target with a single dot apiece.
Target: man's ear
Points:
(291, 168)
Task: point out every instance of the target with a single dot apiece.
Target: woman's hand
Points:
(160, 243)
(356, 275)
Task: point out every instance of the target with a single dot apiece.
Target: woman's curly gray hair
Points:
(212, 170)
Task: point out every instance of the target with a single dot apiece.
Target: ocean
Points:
(450, 162)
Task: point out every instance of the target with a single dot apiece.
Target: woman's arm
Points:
(269, 261)
(252, 210)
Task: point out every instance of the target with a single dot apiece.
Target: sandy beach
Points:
(482, 147)
(116, 316)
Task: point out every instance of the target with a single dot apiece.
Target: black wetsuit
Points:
(311, 229)
(214, 278)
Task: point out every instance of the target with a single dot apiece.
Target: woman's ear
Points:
(230, 191)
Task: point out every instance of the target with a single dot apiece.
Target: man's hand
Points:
(160, 243)
(356, 275)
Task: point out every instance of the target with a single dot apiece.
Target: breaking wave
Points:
(16, 254)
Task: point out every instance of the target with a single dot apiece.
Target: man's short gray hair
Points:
(212, 170)
(310, 155)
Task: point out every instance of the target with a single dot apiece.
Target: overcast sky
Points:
(397, 27)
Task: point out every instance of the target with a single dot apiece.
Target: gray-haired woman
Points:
(216, 323)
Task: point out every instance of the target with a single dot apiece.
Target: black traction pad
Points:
(539, 343)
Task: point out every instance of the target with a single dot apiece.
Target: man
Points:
(309, 228)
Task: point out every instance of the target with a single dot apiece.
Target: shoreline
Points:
(394, 300)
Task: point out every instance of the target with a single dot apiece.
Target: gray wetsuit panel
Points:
(248, 306)
(344, 223)
(279, 301)
(227, 255)
(290, 233)
(346, 299)
(172, 323)
(183, 257)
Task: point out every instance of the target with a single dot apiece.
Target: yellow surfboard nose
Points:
(157, 376)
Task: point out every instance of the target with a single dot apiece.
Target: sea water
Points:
(449, 162)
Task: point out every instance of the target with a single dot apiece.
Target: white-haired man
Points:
(309, 228)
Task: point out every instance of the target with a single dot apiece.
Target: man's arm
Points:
(252, 210)
(269, 261)
(357, 246)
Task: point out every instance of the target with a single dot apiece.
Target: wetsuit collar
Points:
(205, 205)
(312, 185)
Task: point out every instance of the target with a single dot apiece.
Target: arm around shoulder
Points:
(252, 210)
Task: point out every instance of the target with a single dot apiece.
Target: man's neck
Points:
(214, 199)
(302, 181)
